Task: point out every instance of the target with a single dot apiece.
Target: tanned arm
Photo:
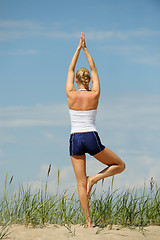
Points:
(94, 73)
(70, 79)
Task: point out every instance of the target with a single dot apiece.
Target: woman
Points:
(84, 137)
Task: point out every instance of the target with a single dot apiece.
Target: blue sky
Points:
(37, 41)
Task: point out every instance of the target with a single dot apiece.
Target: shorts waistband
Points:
(83, 132)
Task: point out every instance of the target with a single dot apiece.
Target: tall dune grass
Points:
(135, 207)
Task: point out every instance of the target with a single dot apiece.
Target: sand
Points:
(56, 232)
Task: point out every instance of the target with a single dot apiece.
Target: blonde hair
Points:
(83, 76)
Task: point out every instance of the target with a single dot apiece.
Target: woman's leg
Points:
(79, 166)
(114, 163)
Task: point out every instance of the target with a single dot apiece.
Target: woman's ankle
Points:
(89, 223)
(89, 185)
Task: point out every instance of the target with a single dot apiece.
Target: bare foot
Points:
(89, 186)
(89, 225)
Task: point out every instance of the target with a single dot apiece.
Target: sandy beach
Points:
(57, 232)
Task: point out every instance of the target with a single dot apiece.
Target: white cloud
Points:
(12, 29)
(142, 33)
(17, 29)
(39, 115)
(61, 35)
(130, 112)
(11, 35)
(19, 52)
(121, 35)
(18, 34)
(135, 53)
(153, 60)
(124, 50)
(18, 24)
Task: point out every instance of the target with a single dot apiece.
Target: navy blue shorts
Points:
(85, 142)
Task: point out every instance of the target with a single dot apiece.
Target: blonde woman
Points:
(84, 137)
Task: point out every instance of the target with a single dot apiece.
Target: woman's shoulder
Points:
(85, 100)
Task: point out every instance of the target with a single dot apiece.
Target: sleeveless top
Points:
(83, 121)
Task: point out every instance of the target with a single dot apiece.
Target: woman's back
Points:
(83, 100)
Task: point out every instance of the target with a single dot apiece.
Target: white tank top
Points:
(83, 121)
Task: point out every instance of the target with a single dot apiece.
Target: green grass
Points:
(4, 231)
(135, 207)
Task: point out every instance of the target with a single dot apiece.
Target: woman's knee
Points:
(122, 166)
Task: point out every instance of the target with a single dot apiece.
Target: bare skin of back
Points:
(83, 100)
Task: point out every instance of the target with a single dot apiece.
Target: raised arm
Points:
(94, 73)
(70, 78)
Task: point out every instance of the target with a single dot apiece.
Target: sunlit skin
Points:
(88, 100)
